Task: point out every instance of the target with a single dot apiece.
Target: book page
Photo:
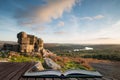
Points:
(43, 73)
(82, 72)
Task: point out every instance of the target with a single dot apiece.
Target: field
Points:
(105, 52)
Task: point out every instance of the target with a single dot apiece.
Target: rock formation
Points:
(47, 53)
(50, 64)
(29, 43)
(38, 67)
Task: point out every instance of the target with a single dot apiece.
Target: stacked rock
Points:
(29, 43)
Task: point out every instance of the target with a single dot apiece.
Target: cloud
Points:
(111, 31)
(60, 32)
(61, 23)
(41, 28)
(104, 41)
(108, 31)
(98, 17)
(92, 18)
(103, 38)
(54, 9)
(87, 18)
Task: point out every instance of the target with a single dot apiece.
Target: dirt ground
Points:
(109, 69)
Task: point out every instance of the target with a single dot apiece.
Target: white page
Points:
(44, 72)
(92, 73)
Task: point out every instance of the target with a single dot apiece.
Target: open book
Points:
(58, 74)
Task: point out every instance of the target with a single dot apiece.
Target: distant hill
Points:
(46, 45)
(6, 42)
(56, 46)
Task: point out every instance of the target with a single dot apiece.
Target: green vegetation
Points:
(4, 54)
(107, 52)
(73, 65)
(18, 58)
(25, 59)
(69, 59)
(110, 56)
(98, 54)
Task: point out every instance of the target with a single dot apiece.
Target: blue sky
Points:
(62, 21)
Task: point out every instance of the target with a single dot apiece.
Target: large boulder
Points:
(50, 64)
(38, 67)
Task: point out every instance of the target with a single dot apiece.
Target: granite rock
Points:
(50, 64)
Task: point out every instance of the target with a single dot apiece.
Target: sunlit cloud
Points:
(103, 41)
(39, 29)
(54, 9)
(60, 32)
(48, 12)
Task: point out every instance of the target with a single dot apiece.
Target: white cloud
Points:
(38, 16)
(61, 23)
(53, 10)
(111, 31)
(108, 31)
(86, 18)
(108, 34)
(98, 17)
(93, 17)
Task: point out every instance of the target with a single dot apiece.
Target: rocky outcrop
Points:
(47, 53)
(50, 64)
(38, 67)
(29, 43)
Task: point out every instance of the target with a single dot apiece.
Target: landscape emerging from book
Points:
(50, 56)
(61, 35)
(61, 57)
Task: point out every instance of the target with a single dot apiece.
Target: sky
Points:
(62, 21)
